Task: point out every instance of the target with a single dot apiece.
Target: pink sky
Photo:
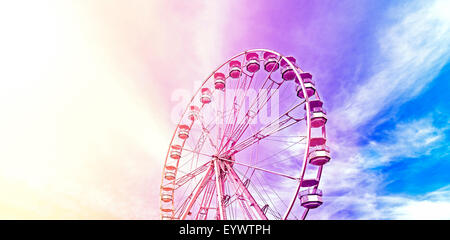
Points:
(87, 95)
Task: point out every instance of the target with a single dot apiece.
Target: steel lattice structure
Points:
(228, 160)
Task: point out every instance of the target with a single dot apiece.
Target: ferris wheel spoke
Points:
(241, 201)
(198, 147)
(206, 129)
(263, 183)
(284, 121)
(257, 100)
(219, 190)
(182, 204)
(262, 134)
(238, 101)
(196, 152)
(240, 185)
(282, 160)
(282, 150)
(247, 120)
(266, 208)
(277, 140)
(188, 176)
(232, 118)
(260, 169)
(194, 195)
(249, 117)
(305, 213)
(237, 195)
(274, 212)
(206, 201)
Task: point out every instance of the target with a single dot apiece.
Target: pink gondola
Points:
(235, 69)
(205, 98)
(175, 152)
(252, 62)
(318, 114)
(183, 131)
(287, 72)
(194, 112)
(309, 85)
(270, 62)
(219, 80)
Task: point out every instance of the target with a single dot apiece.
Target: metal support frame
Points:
(247, 194)
(219, 189)
(197, 192)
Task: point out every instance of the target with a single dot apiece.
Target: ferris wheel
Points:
(251, 144)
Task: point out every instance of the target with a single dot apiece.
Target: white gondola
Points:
(169, 175)
(166, 197)
(194, 112)
(311, 198)
(319, 155)
(205, 98)
(183, 131)
(175, 152)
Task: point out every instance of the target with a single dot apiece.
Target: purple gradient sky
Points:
(89, 115)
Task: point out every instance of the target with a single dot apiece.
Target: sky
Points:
(87, 93)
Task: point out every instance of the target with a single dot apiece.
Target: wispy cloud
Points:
(411, 54)
(433, 205)
(356, 191)
(351, 184)
(407, 140)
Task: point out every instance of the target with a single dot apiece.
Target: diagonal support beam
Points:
(260, 169)
(219, 189)
(187, 177)
(197, 192)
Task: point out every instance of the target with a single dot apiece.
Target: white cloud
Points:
(410, 140)
(350, 184)
(433, 205)
(412, 52)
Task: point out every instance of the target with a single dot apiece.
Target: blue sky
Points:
(428, 170)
